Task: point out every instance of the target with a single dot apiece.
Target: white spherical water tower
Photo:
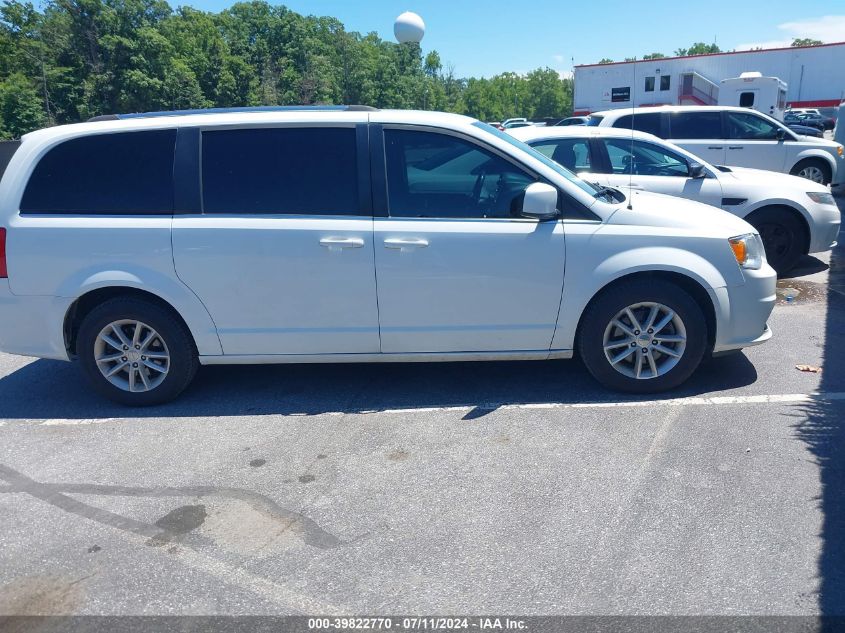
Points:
(409, 27)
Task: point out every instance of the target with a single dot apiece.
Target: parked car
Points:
(147, 245)
(805, 120)
(813, 114)
(794, 216)
(574, 120)
(514, 124)
(740, 137)
(803, 130)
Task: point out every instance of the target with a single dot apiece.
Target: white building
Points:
(815, 76)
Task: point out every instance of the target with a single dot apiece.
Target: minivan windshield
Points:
(591, 189)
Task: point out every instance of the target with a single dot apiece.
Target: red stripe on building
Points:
(762, 50)
(821, 103)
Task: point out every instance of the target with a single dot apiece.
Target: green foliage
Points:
(805, 41)
(654, 56)
(605, 60)
(63, 61)
(699, 48)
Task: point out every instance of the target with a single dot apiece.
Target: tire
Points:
(814, 169)
(597, 330)
(169, 346)
(784, 237)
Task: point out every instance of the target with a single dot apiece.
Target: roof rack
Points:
(296, 108)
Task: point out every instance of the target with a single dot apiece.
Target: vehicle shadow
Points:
(807, 265)
(823, 431)
(52, 389)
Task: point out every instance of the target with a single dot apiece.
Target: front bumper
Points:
(743, 311)
(825, 230)
(32, 325)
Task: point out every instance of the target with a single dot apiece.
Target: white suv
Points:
(147, 245)
(735, 136)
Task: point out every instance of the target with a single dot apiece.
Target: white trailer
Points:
(753, 90)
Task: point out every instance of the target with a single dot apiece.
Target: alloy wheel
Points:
(131, 355)
(645, 340)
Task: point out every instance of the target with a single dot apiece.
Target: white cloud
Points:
(828, 28)
(564, 74)
(558, 58)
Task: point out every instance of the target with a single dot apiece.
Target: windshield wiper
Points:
(610, 192)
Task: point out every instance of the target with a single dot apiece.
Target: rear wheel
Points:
(813, 169)
(136, 352)
(643, 337)
(783, 237)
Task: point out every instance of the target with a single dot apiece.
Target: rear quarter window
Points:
(118, 173)
(649, 122)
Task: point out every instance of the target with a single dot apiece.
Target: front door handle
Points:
(336, 243)
(715, 147)
(403, 243)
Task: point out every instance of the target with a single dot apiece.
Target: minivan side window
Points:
(118, 173)
(750, 127)
(695, 125)
(293, 170)
(431, 175)
(648, 122)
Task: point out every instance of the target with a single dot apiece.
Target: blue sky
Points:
(483, 39)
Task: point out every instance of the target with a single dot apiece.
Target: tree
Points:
(699, 48)
(20, 106)
(805, 41)
(66, 60)
(654, 56)
(605, 60)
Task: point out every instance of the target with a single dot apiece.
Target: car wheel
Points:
(813, 169)
(783, 237)
(136, 352)
(642, 337)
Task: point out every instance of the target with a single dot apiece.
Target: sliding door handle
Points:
(335, 243)
(405, 243)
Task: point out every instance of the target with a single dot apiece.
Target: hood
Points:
(746, 175)
(818, 141)
(655, 209)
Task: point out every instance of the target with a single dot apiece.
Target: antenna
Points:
(631, 164)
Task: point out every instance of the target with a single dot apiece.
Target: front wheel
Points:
(643, 336)
(783, 237)
(136, 352)
(813, 169)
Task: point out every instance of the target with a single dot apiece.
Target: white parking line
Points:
(693, 401)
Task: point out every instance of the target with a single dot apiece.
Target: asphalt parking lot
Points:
(466, 488)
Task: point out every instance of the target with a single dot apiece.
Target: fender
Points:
(577, 294)
(812, 152)
(179, 296)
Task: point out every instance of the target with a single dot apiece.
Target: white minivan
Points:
(146, 245)
(734, 136)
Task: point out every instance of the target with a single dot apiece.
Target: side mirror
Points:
(696, 171)
(539, 201)
(781, 134)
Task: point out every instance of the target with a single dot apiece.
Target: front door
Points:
(457, 270)
(282, 255)
(655, 168)
(753, 142)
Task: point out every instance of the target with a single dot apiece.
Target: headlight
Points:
(821, 197)
(748, 250)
